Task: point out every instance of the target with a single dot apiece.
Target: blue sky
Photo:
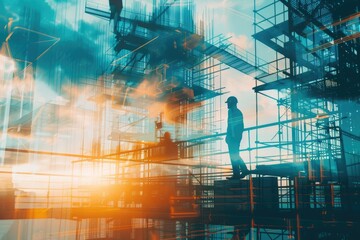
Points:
(84, 36)
(232, 18)
(85, 40)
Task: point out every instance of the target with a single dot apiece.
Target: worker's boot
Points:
(236, 170)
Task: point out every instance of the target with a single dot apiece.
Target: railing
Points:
(188, 169)
(125, 13)
(178, 199)
(267, 68)
(94, 7)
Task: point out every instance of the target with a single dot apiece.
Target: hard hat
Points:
(232, 99)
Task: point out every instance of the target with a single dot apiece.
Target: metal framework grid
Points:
(141, 196)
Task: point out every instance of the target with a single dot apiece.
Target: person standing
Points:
(234, 132)
(116, 7)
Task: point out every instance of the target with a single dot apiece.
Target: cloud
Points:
(16, 7)
(242, 41)
(78, 50)
(216, 4)
(65, 1)
(227, 4)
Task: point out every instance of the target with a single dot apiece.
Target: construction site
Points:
(113, 120)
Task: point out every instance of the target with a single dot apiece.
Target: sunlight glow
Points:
(7, 65)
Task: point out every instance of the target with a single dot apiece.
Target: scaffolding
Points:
(312, 48)
(147, 161)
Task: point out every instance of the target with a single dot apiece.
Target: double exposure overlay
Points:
(179, 119)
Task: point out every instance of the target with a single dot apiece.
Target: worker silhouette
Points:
(166, 149)
(170, 148)
(116, 7)
(233, 138)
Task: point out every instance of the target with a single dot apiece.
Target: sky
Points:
(80, 32)
(83, 38)
(74, 37)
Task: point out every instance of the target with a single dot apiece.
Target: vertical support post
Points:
(78, 229)
(346, 202)
(251, 190)
(296, 188)
(6, 77)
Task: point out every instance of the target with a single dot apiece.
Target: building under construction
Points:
(112, 122)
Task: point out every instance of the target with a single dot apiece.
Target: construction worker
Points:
(170, 148)
(233, 138)
(116, 7)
